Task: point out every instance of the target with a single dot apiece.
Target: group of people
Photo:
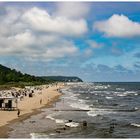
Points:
(20, 93)
(29, 91)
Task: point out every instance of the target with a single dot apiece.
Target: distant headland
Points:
(13, 77)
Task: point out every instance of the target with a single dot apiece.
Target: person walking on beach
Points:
(48, 99)
(18, 113)
(40, 101)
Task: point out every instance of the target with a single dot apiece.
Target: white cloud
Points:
(9, 23)
(62, 49)
(118, 26)
(40, 20)
(72, 9)
(94, 44)
(35, 35)
(35, 47)
(16, 44)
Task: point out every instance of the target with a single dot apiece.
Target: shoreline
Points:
(4, 129)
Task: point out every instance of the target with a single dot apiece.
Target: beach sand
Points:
(29, 106)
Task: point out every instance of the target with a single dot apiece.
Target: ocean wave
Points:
(81, 101)
(122, 95)
(136, 108)
(116, 92)
(92, 113)
(50, 116)
(75, 102)
(72, 124)
(120, 89)
(107, 97)
(80, 106)
(99, 92)
(130, 92)
(70, 96)
(58, 121)
(61, 121)
(135, 124)
(96, 111)
(101, 87)
(127, 93)
(38, 135)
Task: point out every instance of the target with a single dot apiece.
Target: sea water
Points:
(111, 110)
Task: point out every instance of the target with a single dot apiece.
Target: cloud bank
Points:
(40, 20)
(34, 33)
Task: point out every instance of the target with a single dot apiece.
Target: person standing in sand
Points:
(40, 101)
(48, 99)
(18, 113)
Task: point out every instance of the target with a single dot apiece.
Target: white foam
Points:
(92, 113)
(58, 121)
(72, 124)
(33, 135)
(122, 95)
(97, 111)
(71, 96)
(80, 106)
(135, 124)
(128, 92)
(125, 93)
(52, 134)
(121, 89)
(50, 117)
(38, 135)
(116, 92)
(107, 97)
(101, 87)
(136, 108)
(81, 101)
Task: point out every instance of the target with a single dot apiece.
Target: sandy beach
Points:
(29, 106)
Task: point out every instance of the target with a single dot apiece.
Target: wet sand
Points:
(28, 107)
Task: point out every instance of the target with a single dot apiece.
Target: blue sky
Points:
(97, 41)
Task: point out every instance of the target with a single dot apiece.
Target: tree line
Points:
(8, 75)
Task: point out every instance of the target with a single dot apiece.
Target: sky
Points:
(96, 41)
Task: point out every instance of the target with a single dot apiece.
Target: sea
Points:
(87, 110)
